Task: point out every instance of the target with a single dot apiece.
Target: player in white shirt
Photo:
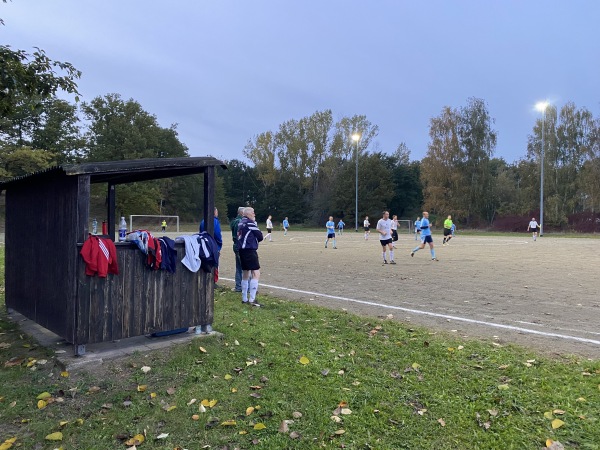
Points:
(366, 225)
(534, 228)
(394, 230)
(269, 229)
(384, 228)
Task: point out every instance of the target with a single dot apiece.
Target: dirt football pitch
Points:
(544, 295)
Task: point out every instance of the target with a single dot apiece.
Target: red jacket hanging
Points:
(100, 256)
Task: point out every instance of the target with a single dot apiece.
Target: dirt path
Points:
(543, 294)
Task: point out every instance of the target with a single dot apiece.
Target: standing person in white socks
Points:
(384, 228)
(269, 228)
(366, 225)
(534, 228)
(248, 238)
(394, 230)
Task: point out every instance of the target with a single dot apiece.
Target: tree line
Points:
(306, 168)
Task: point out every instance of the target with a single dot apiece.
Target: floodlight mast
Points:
(356, 137)
(542, 106)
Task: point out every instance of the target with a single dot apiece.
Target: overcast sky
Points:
(225, 71)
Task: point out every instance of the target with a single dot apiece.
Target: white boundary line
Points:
(432, 314)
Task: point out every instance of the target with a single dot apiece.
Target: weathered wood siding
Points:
(140, 301)
(41, 254)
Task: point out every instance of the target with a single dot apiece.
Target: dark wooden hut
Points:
(47, 217)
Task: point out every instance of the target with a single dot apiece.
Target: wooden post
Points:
(83, 207)
(209, 200)
(110, 213)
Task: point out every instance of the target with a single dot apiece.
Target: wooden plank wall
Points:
(141, 301)
(41, 254)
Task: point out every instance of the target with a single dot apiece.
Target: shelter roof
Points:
(119, 172)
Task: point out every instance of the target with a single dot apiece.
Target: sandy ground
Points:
(543, 294)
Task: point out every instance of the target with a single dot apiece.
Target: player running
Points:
(384, 227)
(285, 225)
(447, 231)
(425, 237)
(330, 225)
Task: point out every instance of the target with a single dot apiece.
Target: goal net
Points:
(153, 222)
(405, 226)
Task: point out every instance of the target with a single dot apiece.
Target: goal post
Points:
(156, 222)
(405, 224)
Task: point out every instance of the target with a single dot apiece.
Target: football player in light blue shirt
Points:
(417, 228)
(425, 237)
(330, 225)
(286, 225)
(341, 226)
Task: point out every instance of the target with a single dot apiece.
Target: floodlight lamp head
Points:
(356, 137)
(541, 106)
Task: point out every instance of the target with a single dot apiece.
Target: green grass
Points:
(397, 382)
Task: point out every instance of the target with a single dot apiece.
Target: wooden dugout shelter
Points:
(47, 219)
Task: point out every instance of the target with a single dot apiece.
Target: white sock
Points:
(391, 255)
(383, 254)
(245, 290)
(253, 289)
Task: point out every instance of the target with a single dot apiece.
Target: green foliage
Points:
(32, 78)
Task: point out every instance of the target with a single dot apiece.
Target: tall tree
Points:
(456, 171)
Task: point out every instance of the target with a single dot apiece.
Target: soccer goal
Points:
(152, 222)
(405, 225)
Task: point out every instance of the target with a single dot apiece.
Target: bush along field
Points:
(295, 376)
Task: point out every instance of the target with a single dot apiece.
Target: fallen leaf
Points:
(283, 427)
(8, 443)
(296, 414)
(191, 402)
(201, 408)
(136, 440)
(93, 389)
(560, 412)
(41, 404)
(304, 360)
(171, 391)
(171, 408)
(236, 342)
(325, 372)
(162, 436)
(260, 426)
(346, 411)
(548, 415)
(442, 422)
(54, 436)
(145, 369)
(44, 396)
(340, 432)
(195, 417)
(64, 374)
(336, 419)
(294, 435)
(62, 423)
(416, 366)
(503, 387)
(202, 349)
(233, 390)
(141, 387)
(228, 377)
(557, 423)
(249, 410)
(228, 423)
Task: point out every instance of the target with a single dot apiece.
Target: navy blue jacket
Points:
(248, 235)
